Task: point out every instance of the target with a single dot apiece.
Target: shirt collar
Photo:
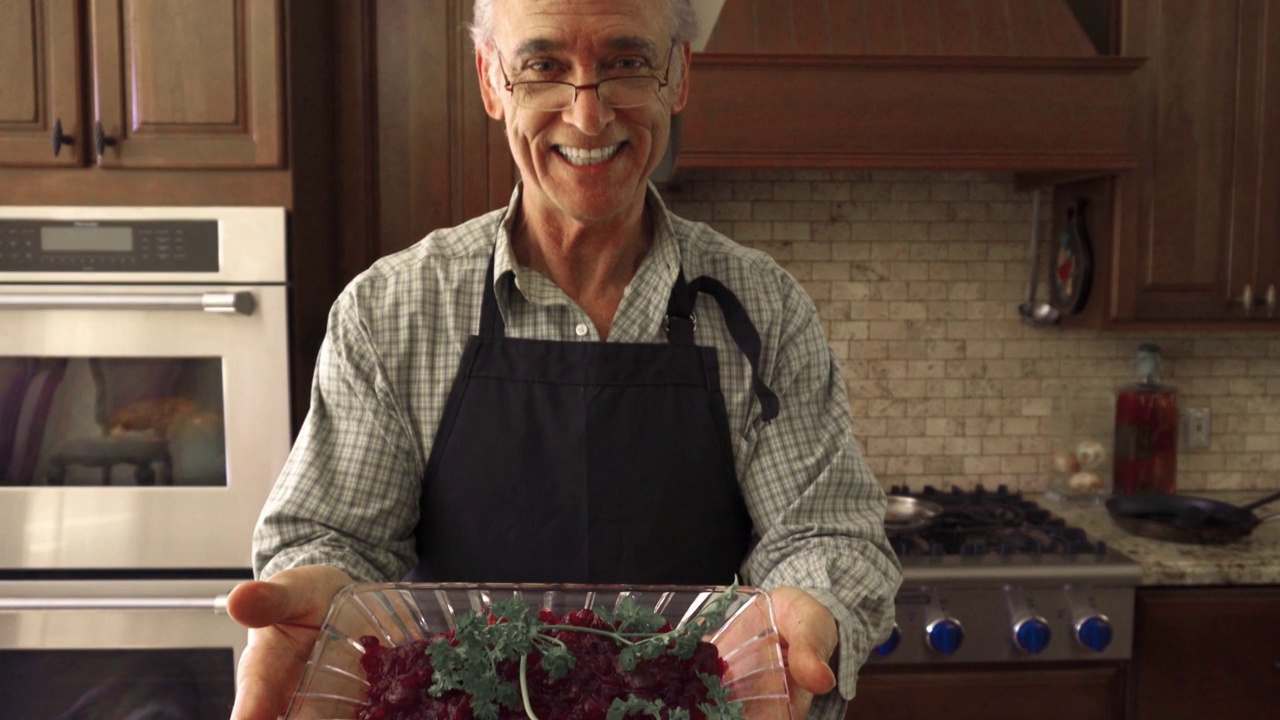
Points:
(655, 276)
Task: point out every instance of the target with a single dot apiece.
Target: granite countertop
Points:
(1252, 560)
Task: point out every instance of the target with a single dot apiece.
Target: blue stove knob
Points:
(1094, 632)
(887, 647)
(1032, 635)
(944, 636)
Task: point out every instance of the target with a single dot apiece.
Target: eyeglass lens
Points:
(614, 92)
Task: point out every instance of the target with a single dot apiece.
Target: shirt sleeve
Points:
(348, 494)
(816, 506)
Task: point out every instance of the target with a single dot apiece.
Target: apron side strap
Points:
(744, 334)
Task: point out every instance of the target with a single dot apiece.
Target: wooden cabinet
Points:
(1206, 653)
(991, 692)
(39, 82)
(435, 158)
(925, 84)
(176, 84)
(1195, 229)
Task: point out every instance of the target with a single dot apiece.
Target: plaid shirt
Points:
(348, 495)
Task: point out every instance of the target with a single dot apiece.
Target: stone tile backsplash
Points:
(917, 277)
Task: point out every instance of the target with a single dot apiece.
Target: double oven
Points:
(144, 416)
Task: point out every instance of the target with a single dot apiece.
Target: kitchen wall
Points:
(917, 277)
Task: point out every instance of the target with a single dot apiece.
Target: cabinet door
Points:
(1207, 653)
(188, 83)
(1256, 190)
(1174, 249)
(39, 82)
(1268, 157)
(991, 692)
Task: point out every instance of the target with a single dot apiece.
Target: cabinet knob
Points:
(1271, 300)
(1246, 300)
(101, 140)
(59, 139)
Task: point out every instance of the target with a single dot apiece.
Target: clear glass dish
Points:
(333, 686)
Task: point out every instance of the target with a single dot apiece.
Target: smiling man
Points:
(580, 387)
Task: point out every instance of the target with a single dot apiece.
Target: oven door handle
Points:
(217, 604)
(241, 302)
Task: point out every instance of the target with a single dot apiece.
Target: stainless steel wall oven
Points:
(144, 416)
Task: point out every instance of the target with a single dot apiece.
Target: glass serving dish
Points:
(333, 685)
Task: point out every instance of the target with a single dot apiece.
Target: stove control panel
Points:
(958, 621)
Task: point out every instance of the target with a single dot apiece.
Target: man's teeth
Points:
(582, 156)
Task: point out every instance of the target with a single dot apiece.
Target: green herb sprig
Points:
(468, 662)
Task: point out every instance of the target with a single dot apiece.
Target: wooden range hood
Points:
(1015, 85)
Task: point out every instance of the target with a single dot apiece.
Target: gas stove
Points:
(998, 578)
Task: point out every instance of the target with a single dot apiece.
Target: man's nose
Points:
(588, 113)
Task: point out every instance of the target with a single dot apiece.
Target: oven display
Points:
(86, 239)
(115, 246)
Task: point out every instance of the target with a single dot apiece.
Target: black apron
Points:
(588, 462)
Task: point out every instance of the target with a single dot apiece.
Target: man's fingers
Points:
(300, 595)
(801, 701)
(257, 604)
(809, 671)
(265, 681)
(284, 615)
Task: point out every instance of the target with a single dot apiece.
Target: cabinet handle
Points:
(1246, 300)
(1271, 300)
(101, 140)
(59, 139)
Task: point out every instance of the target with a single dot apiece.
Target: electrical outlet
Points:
(1197, 421)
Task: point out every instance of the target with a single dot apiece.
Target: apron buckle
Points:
(693, 322)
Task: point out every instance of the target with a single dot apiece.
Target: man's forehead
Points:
(538, 45)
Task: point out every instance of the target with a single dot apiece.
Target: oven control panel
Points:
(143, 246)
(958, 622)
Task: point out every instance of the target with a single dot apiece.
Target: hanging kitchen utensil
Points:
(1071, 263)
(904, 515)
(1187, 519)
(1033, 311)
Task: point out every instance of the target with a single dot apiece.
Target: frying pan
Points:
(1187, 519)
(904, 515)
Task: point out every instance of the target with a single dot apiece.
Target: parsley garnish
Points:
(512, 631)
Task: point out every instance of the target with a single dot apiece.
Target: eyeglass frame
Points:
(664, 81)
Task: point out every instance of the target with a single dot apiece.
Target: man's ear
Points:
(492, 100)
(682, 89)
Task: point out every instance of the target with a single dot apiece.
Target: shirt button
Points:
(581, 329)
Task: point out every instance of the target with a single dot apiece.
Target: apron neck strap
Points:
(681, 321)
(491, 323)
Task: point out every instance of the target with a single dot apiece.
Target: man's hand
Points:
(284, 616)
(808, 632)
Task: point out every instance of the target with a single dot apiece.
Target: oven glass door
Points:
(137, 428)
(113, 654)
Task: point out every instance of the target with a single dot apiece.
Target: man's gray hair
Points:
(680, 18)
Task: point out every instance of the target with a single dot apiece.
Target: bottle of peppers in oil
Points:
(1146, 431)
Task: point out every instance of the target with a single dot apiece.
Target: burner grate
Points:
(982, 522)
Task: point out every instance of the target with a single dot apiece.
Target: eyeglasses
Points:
(627, 91)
